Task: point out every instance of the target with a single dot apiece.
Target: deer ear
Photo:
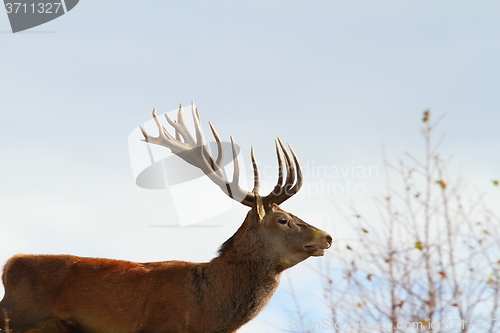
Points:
(258, 206)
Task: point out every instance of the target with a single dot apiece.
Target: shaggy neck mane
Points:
(245, 245)
(244, 272)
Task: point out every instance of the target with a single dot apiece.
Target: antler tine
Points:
(220, 152)
(289, 190)
(201, 141)
(163, 137)
(161, 130)
(236, 171)
(279, 183)
(178, 136)
(233, 187)
(290, 169)
(283, 191)
(144, 134)
(300, 179)
(256, 182)
(180, 126)
(197, 126)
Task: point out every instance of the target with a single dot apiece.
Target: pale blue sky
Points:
(336, 79)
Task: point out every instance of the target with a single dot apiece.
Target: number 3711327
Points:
(41, 8)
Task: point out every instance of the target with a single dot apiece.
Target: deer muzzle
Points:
(318, 248)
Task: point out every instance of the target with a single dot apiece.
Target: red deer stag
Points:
(113, 296)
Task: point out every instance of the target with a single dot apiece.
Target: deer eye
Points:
(282, 221)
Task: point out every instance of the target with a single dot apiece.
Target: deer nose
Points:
(329, 240)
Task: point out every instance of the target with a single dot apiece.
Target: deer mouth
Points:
(315, 250)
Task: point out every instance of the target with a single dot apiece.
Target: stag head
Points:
(291, 239)
(285, 238)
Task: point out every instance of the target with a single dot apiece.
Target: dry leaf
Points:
(426, 116)
(442, 183)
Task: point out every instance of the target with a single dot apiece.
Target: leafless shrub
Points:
(430, 260)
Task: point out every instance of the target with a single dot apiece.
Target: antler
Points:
(195, 152)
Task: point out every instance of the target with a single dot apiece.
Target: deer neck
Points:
(245, 256)
(245, 251)
(247, 276)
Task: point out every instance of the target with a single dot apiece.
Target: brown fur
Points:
(114, 296)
